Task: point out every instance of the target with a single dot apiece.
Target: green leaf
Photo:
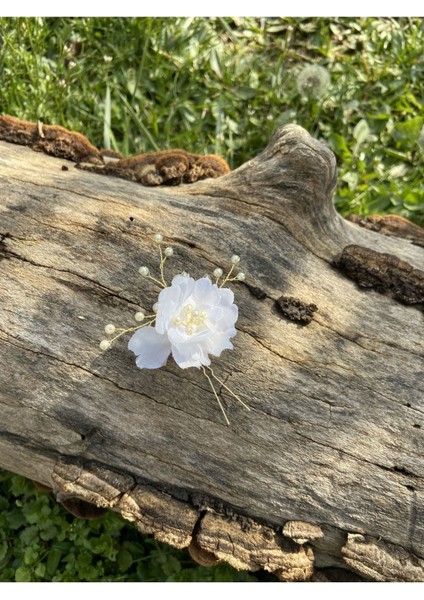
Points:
(20, 485)
(339, 144)
(40, 570)
(15, 519)
(421, 139)
(3, 549)
(31, 555)
(245, 92)
(53, 559)
(29, 534)
(361, 132)
(407, 134)
(352, 179)
(22, 574)
(125, 560)
(215, 62)
(378, 205)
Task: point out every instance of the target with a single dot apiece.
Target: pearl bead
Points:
(110, 328)
(139, 316)
(104, 344)
(218, 272)
(241, 276)
(158, 238)
(177, 321)
(235, 259)
(169, 251)
(144, 271)
(155, 307)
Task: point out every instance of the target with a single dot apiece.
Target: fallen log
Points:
(325, 474)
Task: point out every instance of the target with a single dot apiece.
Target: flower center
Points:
(190, 319)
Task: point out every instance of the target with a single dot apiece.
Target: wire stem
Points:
(227, 277)
(162, 262)
(131, 329)
(228, 390)
(216, 395)
(161, 283)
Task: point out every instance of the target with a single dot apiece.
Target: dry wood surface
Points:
(325, 474)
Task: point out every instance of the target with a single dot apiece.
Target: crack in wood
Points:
(315, 373)
(103, 288)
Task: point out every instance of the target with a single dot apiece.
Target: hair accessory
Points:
(192, 320)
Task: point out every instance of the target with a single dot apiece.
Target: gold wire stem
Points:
(216, 395)
(227, 277)
(162, 262)
(161, 283)
(229, 391)
(131, 329)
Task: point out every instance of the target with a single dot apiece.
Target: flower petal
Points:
(226, 297)
(218, 342)
(205, 292)
(190, 355)
(171, 299)
(229, 317)
(151, 348)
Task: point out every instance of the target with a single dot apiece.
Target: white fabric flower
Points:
(194, 319)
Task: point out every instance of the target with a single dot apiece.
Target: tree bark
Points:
(327, 469)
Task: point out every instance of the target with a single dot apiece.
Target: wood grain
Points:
(335, 437)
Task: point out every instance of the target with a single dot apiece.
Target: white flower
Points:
(194, 319)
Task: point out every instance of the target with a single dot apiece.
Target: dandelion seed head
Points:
(313, 81)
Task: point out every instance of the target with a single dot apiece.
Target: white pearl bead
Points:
(169, 251)
(110, 328)
(235, 259)
(139, 316)
(217, 272)
(144, 271)
(241, 276)
(158, 238)
(155, 307)
(104, 344)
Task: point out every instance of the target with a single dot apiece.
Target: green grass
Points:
(216, 85)
(224, 85)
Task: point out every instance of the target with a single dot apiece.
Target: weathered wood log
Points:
(326, 471)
